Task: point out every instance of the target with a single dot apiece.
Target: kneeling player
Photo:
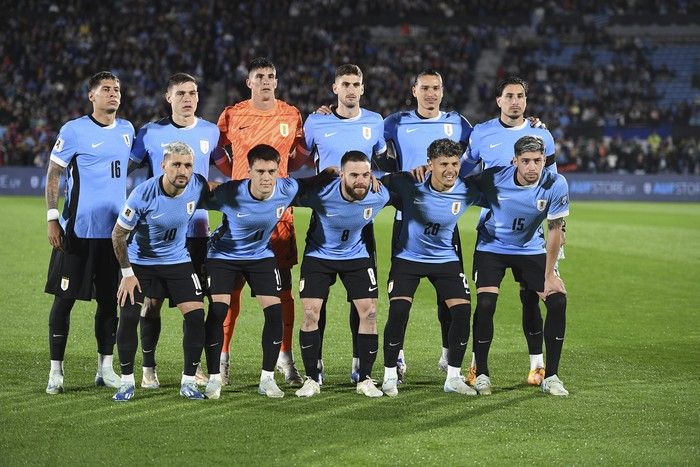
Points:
(510, 235)
(158, 211)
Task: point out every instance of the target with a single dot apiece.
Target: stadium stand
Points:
(596, 68)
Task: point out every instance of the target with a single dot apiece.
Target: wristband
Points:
(127, 272)
(52, 215)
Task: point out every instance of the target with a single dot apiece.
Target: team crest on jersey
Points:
(280, 211)
(65, 282)
(367, 132)
(368, 213)
(58, 147)
(456, 206)
(204, 146)
(448, 129)
(284, 129)
(190, 207)
(301, 285)
(128, 213)
(127, 140)
(541, 204)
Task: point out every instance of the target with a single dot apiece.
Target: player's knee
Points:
(217, 312)
(486, 304)
(556, 303)
(460, 314)
(151, 308)
(399, 310)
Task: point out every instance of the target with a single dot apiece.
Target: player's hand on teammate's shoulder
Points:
(537, 123)
(376, 184)
(420, 173)
(325, 109)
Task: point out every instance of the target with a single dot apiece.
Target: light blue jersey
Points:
(336, 229)
(202, 136)
(411, 134)
(247, 225)
(159, 221)
(96, 158)
(493, 143)
(429, 217)
(328, 137)
(513, 224)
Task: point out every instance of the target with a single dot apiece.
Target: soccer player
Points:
(521, 197)
(263, 119)
(93, 152)
(424, 248)
(202, 136)
(408, 134)
(492, 143)
(157, 214)
(241, 246)
(335, 246)
(328, 137)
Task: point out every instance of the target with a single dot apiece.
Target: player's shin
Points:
(483, 331)
(367, 346)
(272, 336)
(459, 334)
(214, 335)
(554, 330)
(127, 337)
(394, 330)
(308, 342)
(150, 333)
(59, 326)
(192, 340)
(532, 321)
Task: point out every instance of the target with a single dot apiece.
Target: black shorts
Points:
(262, 276)
(448, 278)
(197, 247)
(86, 268)
(358, 275)
(178, 281)
(489, 269)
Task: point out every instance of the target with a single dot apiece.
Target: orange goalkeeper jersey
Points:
(244, 127)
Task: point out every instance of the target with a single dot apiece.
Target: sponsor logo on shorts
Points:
(390, 287)
(65, 282)
(301, 285)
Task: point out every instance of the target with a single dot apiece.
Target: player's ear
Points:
(362, 89)
(249, 83)
(335, 88)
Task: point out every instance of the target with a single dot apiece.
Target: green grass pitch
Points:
(631, 362)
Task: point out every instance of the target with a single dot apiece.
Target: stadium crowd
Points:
(49, 48)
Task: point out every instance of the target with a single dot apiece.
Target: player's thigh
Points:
(222, 276)
(360, 279)
(182, 282)
(449, 280)
(404, 277)
(263, 277)
(529, 271)
(489, 268)
(315, 278)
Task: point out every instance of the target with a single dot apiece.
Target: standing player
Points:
(327, 138)
(241, 246)
(158, 213)
(492, 143)
(408, 135)
(202, 136)
(93, 151)
(335, 246)
(265, 120)
(521, 197)
(424, 248)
